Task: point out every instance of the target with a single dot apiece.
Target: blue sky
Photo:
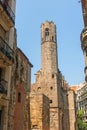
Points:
(67, 15)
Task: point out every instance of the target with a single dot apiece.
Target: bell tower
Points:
(49, 70)
(84, 35)
(51, 83)
(49, 47)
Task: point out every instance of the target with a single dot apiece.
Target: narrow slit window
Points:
(52, 38)
(86, 52)
(51, 88)
(52, 75)
(19, 97)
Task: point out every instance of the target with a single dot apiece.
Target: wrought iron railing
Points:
(6, 50)
(8, 10)
(3, 86)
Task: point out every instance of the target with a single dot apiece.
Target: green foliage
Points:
(85, 125)
(80, 123)
(80, 113)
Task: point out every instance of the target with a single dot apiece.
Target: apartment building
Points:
(15, 72)
(7, 31)
(82, 99)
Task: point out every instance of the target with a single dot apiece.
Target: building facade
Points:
(50, 82)
(84, 35)
(7, 31)
(15, 73)
(22, 88)
(81, 99)
(82, 90)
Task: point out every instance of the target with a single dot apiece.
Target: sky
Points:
(67, 15)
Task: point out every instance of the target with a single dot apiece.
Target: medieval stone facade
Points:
(50, 82)
(39, 112)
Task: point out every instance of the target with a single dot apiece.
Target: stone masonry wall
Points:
(72, 117)
(19, 108)
(39, 112)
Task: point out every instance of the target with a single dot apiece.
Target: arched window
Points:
(47, 32)
(39, 88)
(19, 97)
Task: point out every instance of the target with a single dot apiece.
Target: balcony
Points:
(84, 38)
(6, 54)
(3, 86)
(7, 17)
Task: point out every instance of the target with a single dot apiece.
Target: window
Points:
(52, 75)
(39, 89)
(19, 97)
(51, 88)
(51, 101)
(47, 32)
(52, 38)
(86, 52)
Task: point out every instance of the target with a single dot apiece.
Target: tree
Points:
(80, 122)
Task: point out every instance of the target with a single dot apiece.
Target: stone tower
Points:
(46, 77)
(49, 69)
(84, 35)
(49, 47)
(51, 83)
